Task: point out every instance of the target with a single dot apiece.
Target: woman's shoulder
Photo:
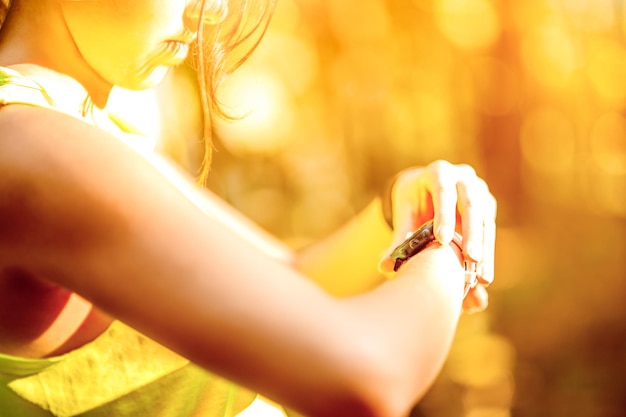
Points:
(41, 87)
(17, 87)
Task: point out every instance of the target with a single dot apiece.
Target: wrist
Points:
(423, 238)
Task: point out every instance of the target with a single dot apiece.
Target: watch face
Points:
(421, 238)
(413, 244)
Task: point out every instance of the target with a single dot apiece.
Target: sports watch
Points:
(423, 237)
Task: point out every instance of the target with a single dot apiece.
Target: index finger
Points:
(440, 181)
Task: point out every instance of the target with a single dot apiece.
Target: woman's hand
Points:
(458, 200)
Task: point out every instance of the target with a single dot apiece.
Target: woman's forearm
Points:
(177, 273)
(411, 321)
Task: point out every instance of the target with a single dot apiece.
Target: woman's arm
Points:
(84, 211)
(344, 263)
(352, 252)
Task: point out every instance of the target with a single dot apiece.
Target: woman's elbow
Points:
(381, 382)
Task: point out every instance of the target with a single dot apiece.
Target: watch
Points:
(419, 240)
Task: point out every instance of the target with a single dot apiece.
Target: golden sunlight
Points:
(468, 24)
(265, 116)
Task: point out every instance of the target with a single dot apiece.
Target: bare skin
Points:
(91, 231)
(218, 314)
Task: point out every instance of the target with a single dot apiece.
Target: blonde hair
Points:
(219, 51)
(4, 10)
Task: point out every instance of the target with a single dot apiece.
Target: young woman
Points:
(125, 289)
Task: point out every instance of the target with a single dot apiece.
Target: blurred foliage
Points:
(342, 94)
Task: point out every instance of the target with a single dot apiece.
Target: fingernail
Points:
(486, 277)
(474, 309)
(445, 234)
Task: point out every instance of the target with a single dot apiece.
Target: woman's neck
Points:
(35, 33)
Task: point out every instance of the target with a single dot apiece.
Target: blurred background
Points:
(341, 94)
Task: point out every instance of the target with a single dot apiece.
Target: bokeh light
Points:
(549, 55)
(342, 94)
(370, 22)
(587, 15)
(488, 72)
(260, 103)
(469, 24)
(608, 143)
(547, 140)
(606, 69)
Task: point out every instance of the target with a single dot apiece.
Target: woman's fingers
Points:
(473, 196)
(441, 178)
(448, 194)
(477, 208)
(476, 299)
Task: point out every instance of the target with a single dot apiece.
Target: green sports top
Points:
(122, 373)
